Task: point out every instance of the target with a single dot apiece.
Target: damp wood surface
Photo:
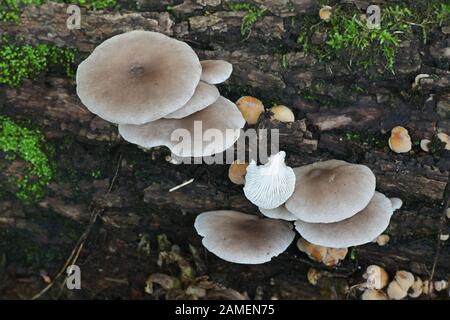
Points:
(340, 114)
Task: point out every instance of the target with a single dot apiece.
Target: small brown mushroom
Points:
(251, 108)
(237, 172)
(377, 277)
(373, 294)
(400, 141)
(328, 256)
(325, 13)
(416, 289)
(282, 114)
(443, 137)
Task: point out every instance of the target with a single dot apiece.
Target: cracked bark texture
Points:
(268, 64)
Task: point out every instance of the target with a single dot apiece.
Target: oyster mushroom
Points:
(242, 238)
(361, 228)
(331, 191)
(129, 78)
(268, 186)
(400, 141)
(278, 213)
(204, 95)
(215, 71)
(163, 131)
(251, 108)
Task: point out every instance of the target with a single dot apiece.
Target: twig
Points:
(80, 243)
(181, 185)
(445, 204)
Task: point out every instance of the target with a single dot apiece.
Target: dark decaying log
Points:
(267, 64)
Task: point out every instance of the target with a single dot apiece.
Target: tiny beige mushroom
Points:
(440, 285)
(424, 145)
(331, 191)
(328, 256)
(443, 137)
(416, 289)
(215, 71)
(395, 292)
(400, 141)
(237, 172)
(242, 238)
(137, 77)
(405, 279)
(282, 114)
(325, 13)
(251, 108)
(382, 240)
(313, 275)
(373, 294)
(377, 277)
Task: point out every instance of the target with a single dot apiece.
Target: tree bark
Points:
(268, 64)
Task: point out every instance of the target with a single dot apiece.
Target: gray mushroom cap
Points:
(361, 228)
(278, 213)
(204, 95)
(137, 77)
(242, 238)
(215, 71)
(330, 191)
(222, 117)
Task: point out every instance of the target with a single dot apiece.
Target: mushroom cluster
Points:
(151, 85)
(333, 203)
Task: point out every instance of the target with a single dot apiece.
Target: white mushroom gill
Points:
(269, 186)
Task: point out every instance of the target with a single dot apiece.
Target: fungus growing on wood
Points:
(215, 71)
(361, 228)
(373, 294)
(204, 95)
(237, 172)
(282, 114)
(138, 77)
(400, 141)
(398, 288)
(278, 213)
(325, 13)
(328, 256)
(251, 108)
(165, 131)
(377, 277)
(268, 186)
(242, 238)
(331, 191)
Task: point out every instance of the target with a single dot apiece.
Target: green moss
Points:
(252, 13)
(349, 39)
(17, 141)
(26, 62)
(10, 9)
